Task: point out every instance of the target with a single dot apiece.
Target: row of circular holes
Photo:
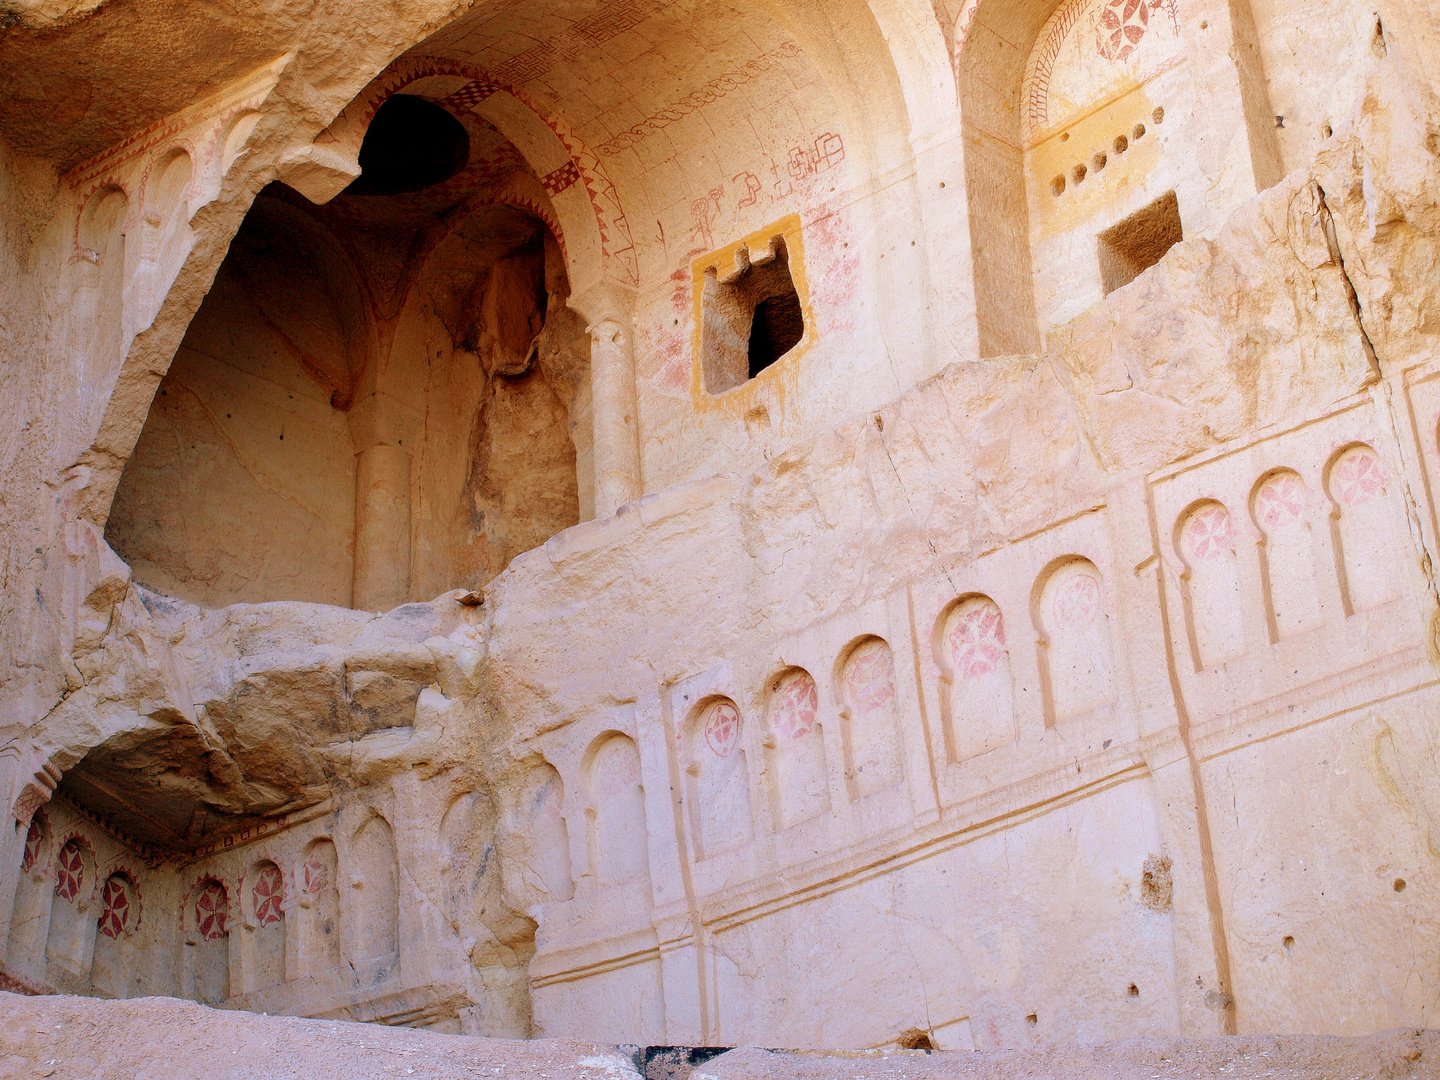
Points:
(1099, 161)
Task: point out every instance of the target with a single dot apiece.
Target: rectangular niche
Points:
(752, 306)
(1132, 246)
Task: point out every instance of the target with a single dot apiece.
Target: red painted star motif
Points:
(269, 890)
(796, 703)
(115, 913)
(315, 879)
(70, 871)
(1357, 477)
(1280, 501)
(1208, 535)
(1077, 601)
(870, 679)
(977, 640)
(211, 910)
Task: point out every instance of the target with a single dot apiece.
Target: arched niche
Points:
(618, 834)
(318, 909)
(488, 373)
(717, 777)
(264, 895)
(865, 686)
(372, 911)
(1284, 512)
(800, 783)
(116, 967)
(70, 942)
(977, 685)
(96, 315)
(34, 895)
(1210, 583)
(206, 921)
(545, 831)
(1367, 541)
(242, 484)
(1070, 607)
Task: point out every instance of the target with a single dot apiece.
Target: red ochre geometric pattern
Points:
(69, 871)
(115, 900)
(211, 909)
(269, 890)
(469, 95)
(34, 837)
(557, 181)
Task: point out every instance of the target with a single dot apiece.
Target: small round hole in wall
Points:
(1057, 186)
(1032, 1019)
(1078, 173)
(1326, 131)
(1138, 133)
(1099, 161)
(1132, 990)
(1121, 144)
(1064, 136)
(1399, 884)
(1288, 942)
(1158, 115)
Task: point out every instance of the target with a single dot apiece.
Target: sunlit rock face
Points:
(678, 524)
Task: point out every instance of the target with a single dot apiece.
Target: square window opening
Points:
(749, 320)
(1132, 246)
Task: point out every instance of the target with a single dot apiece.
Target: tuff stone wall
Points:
(914, 689)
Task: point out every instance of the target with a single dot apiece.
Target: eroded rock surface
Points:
(865, 526)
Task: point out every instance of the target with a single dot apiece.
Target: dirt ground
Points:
(73, 1038)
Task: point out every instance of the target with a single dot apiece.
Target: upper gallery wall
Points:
(691, 131)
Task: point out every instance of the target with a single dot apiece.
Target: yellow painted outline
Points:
(773, 385)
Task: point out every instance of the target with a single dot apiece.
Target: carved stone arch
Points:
(84, 876)
(193, 917)
(992, 43)
(115, 955)
(168, 175)
(617, 836)
(717, 776)
(863, 686)
(799, 780)
(263, 901)
(1070, 609)
(104, 213)
(597, 242)
(977, 687)
(135, 913)
(206, 918)
(1366, 539)
(343, 269)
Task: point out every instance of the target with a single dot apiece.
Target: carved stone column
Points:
(617, 442)
(382, 528)
(608, 308)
